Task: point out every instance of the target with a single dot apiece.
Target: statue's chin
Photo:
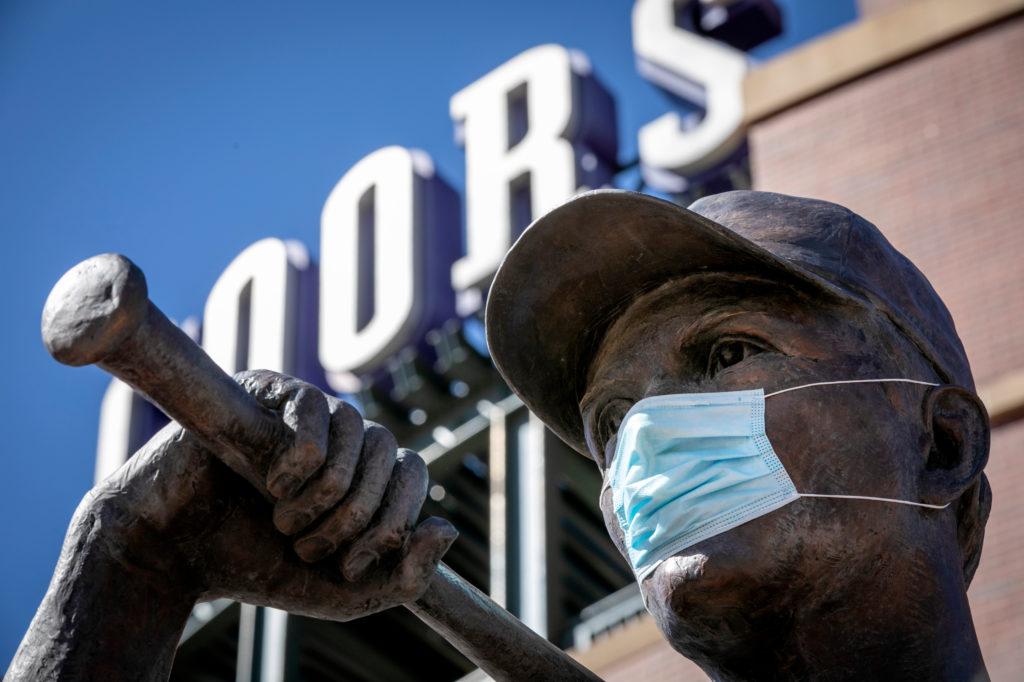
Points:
(689, 577)
(733, 596)
(702, 605)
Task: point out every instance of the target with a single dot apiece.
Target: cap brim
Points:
(575, 269)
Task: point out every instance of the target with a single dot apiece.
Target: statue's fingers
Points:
(376, 461)
(305, 410)
(271, 389)
(398, 512)
(424, 551)
(307, 413)
(330, 484)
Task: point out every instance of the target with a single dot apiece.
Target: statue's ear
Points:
(958, 451)
(956, 457)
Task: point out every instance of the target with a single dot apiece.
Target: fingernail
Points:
(284, 485)
(358, 563)
(313, 549)
(292, 522)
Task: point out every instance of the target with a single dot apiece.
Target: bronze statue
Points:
(610, 299)
(614, 297)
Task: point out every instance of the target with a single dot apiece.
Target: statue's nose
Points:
(666, 383)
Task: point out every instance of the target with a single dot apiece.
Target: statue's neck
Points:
(889, 634)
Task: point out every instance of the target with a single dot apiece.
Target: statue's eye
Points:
(729, 352)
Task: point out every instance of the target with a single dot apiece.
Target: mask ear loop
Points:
(864, 381)
(851, 381)
(877, 499)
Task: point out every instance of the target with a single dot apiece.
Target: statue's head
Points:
(616, 297)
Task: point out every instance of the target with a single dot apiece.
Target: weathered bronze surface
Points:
(327, 527)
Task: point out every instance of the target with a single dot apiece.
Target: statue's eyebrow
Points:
(693, 332)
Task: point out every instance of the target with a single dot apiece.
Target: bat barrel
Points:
(99, 313)
(93, 308)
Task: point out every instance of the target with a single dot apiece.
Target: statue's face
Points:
(740, 591)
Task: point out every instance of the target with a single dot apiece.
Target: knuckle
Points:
(412, 463)
(298, 389)
(345, 417)
(414, 585)
(259, 383)
(391, 539)
(411, 459)
(255, 379)
(378, 439)
(343, 409)
(303, 405)
(357, 517)
(328, 491)
(245, 375)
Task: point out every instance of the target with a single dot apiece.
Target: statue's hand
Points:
(338, 543)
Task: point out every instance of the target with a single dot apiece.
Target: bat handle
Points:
(495, 640)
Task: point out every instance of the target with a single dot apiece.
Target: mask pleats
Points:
(683, 465)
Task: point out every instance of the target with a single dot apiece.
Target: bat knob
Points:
(93, 308)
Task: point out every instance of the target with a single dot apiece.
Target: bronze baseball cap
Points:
(573, 271)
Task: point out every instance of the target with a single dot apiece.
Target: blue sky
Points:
(179, 137)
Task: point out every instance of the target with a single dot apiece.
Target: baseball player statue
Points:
(783, 414)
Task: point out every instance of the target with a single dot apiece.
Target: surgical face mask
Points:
(690, 466)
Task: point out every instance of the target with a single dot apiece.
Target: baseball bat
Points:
(99, 313)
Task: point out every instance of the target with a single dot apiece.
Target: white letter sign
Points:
(705, 72)
(535, 130)
(388, 235)
(251, 314)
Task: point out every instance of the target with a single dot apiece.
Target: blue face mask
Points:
(690, 466)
